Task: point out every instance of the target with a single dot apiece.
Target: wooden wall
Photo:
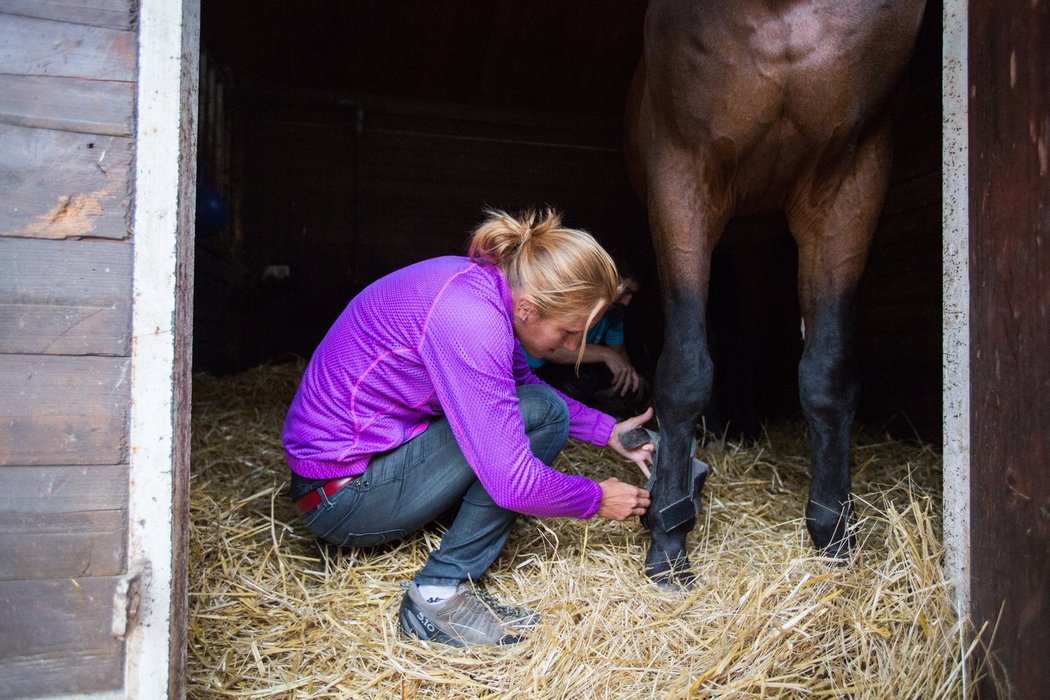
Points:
(1009, 80)
(67, 81)
(522, 55)
(342, 190)
(899, 300)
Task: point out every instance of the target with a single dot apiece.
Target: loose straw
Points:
(274, 615)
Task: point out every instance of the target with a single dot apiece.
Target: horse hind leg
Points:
(833, 216)
(828, 389)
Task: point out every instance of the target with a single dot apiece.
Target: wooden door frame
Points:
(162, 331)
(956, 298)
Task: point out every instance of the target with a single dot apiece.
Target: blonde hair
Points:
(561, 271)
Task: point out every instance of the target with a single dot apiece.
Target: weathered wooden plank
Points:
(68, 104)
(63, 185)
(64, 273)
(56, 637)
(56, 545)
(63, 489)
(117, 14)
(63, 410)
(30, 46)
(64, 330)
(65, 297)
(62, 521)
(1009, 327)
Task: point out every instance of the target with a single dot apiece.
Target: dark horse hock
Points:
(748, 106)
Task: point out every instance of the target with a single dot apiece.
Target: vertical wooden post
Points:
(1009, 171)
(161, 340)
(956, 304)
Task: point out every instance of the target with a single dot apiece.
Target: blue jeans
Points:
(411, 485)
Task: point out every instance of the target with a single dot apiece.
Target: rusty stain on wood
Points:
(71, 217)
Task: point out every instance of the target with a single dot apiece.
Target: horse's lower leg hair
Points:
(828, 389)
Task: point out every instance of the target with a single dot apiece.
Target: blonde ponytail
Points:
(562, 271)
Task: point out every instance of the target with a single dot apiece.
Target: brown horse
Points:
(748, 106)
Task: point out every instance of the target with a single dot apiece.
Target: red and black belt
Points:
(313, 499)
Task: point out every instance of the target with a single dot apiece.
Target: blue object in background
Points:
(212, 210)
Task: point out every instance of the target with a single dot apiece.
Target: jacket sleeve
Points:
(468, 350)
(585, 423)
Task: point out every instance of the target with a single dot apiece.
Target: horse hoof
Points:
(833, 533)
(671, 577)
(839, 552)
(681, 582)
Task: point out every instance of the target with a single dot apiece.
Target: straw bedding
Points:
(272, 614)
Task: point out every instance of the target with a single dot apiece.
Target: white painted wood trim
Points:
(167, 75)
(956, 292)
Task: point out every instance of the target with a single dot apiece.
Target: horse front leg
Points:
(683, 384)
(833, 215)
(685, 229)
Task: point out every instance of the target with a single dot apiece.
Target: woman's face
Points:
(542, 335)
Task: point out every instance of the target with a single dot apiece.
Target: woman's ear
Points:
(525, 310)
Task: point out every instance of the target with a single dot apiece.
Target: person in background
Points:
(419, 399)
(605, 377)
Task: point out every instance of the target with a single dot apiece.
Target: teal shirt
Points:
(608, 331)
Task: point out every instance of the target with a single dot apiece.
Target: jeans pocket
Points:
(345, 522)
(310, 517)
(332, 510)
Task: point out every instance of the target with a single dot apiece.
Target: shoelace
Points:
(502, 610)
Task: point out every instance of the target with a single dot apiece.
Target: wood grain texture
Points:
(1009, 171)
(68, 104)
(64, 330)
(62, 521)
(116, 14)
(62, 489)
(65, 297)
(63, 185)
(30, 46)
(55, 637)
(55, 545)
(63, 410)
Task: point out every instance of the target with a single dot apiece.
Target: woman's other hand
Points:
(621, 500)
(624, 377)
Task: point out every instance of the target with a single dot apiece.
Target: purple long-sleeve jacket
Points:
(435, 337)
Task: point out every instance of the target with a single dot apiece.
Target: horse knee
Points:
(827, 387)
(683, 389)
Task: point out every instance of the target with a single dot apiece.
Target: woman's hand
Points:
(642, 456)
(621, 501)
(624, 377)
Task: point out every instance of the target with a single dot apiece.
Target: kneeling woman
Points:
(419, 399)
